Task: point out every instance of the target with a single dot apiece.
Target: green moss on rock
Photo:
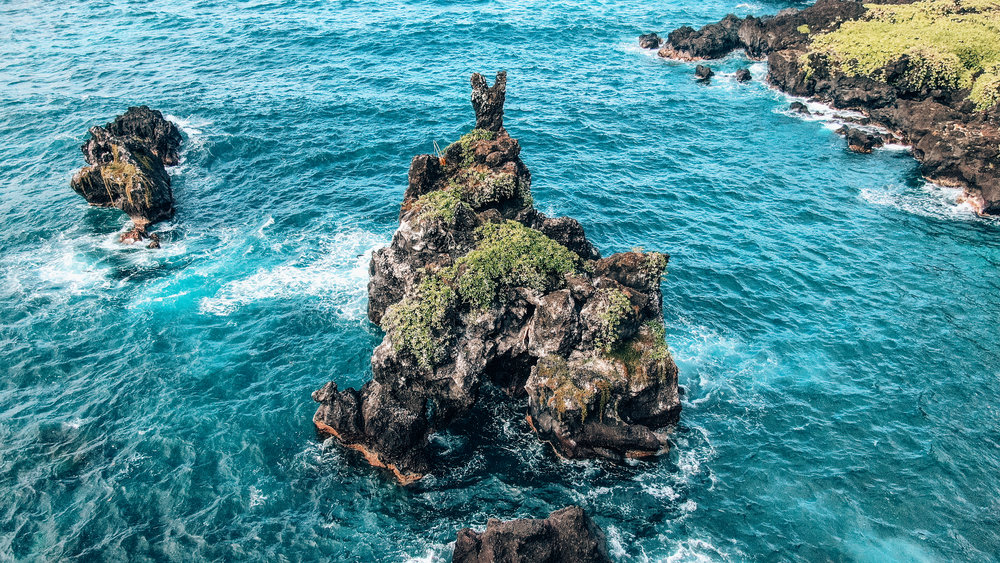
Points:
(611, 318)
(439, 204)
(947, 44)
(419, 323)
(466, 142)
(510, 255)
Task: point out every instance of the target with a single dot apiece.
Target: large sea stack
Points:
(126, 161)
(478, 288)
(927, 71)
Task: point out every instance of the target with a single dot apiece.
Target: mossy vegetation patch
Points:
(466, 142)
(562, 392)
(617, 308)
(946, 44)
(439, 204)
(509, 255)
(419, 324)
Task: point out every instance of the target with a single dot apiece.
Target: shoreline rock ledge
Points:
(929, 72)
(126, 169)
(479, 289)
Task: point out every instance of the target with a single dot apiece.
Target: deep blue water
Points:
(834, 318)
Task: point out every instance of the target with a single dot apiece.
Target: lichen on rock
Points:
(478, 288)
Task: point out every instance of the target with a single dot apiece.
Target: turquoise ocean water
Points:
(833, 317)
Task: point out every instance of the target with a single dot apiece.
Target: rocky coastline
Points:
(478, 288)
(127, 160)
(945, 111)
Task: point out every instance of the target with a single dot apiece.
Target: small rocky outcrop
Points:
(703, 73)
(650, 41)
(956, 142)
(566, 536)
(126, 168)
(478, 288)
(861, 141)
(799, 107)
(743, 75)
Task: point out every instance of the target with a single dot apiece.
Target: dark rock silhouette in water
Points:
(126, 160)
(567, 535)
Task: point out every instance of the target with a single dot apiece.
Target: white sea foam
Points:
(338, 276)
(696, 551)
(931, 200)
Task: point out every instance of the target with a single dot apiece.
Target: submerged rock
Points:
(703, 73)
(126, 168)
(479, 288)
(650, 41)
(567, 535)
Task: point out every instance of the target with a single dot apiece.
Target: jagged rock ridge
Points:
(479, 288)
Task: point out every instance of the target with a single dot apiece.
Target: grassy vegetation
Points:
(466, 141)
(949, 44)
(126, 175)
(418, 324)
(510, 255)
(618, 308)
(439, 204)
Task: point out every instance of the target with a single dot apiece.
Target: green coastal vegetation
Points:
(946, 44)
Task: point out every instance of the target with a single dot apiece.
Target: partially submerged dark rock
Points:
(955, 144)
(650, 41)
(126, 168)
(703, 73)
(710, 42)
(859, 140)
(566, 536)
(799, 107)
(743, 75)
(479, 288)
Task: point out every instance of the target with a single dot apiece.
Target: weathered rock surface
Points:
(703, 73)
(955, 144)
(567, 535)
(743, 75)
(126, 170)
(650, 41)
(859, 140)
(479, 288)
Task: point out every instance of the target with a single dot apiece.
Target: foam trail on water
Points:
(337, 276)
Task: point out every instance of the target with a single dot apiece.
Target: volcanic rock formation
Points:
(126, 170)
(479, 288)
(567, 535)
(956, 140)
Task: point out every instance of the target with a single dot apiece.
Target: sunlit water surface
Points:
(833, 317)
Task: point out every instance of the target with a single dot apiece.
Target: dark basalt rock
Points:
(479, 288)
(710, 42)
(567, 535)
(703, 73)
(650, 41)
(956, 145)
(488, 101)
(799, 107)
(126, 168)
(860, 141)
(743, 75)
